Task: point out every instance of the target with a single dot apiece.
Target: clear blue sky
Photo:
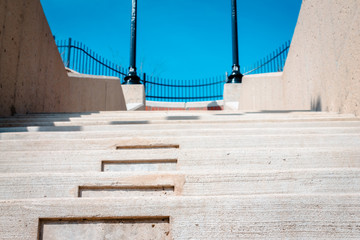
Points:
(181, 39)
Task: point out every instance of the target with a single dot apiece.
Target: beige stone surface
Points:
(308, 216)
(231, 96)
(91, 93)
(109, 229)
(261, 158)
(256, 92)
(180, 183)
(134, 94)
(32, 75)
(322, 71)
(122, 118)
(233, 175)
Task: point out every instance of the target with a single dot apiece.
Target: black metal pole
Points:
(235, 76)
(132, 77)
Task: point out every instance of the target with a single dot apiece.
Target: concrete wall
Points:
(93, 93)
(322, 71)
(32, 75)
(134, 97)
(256, 92)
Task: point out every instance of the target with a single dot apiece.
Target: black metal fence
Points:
(172, 90)
(80, 58)
(274, 62)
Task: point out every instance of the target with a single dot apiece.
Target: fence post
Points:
(69, 52)
(144, 77)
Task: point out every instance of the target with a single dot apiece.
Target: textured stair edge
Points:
(67, 185)
(167, 113)
(174, 121)
(177, 132)
(94, 128)
(186, 159)
(308, 141)
(310, 216)
(158, 117)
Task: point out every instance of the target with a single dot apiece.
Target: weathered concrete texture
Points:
(109, 229)
(256, 92)
(292, 216)
(134, 97)
(122, 118)
(322, 71)
(91, 93)
(140, 184)
(224, 175)
(32, 75)
(186, 160)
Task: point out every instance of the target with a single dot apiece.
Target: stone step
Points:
(243, 141)
(168, 121)
(180, 183)
(149, 114)
(183, 126)
(179, 132)
(260, 158)
(273, 216)
(166, 118)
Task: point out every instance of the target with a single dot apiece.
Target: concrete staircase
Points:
(180, 175)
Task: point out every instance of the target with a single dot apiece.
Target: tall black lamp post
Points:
(235, 76)
(132, 77)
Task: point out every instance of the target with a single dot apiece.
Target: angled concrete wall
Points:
(32, 75)
(256, 92)
(322, 71)
(94, 93)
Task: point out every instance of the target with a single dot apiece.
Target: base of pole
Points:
(235, 77)
(132, 78)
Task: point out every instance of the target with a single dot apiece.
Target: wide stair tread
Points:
(220, 175)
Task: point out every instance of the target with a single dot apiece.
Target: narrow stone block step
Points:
(261, 158)
(182, 126)
(244, 141)
(293, 216)
(150, 114)
(170, 119)
(179, 132)
(102, 185)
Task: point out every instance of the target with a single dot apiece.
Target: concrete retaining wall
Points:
(93, 93)
(322, 71)
(32, 75)
(256, 92)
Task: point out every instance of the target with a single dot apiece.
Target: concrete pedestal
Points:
(231, 96)
(134, 97)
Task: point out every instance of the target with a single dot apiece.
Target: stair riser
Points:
(180, 184)
(179, 132)
(249, 217)
(300, 141)
(186, 160)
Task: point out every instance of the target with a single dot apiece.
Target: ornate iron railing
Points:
(80, 58)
